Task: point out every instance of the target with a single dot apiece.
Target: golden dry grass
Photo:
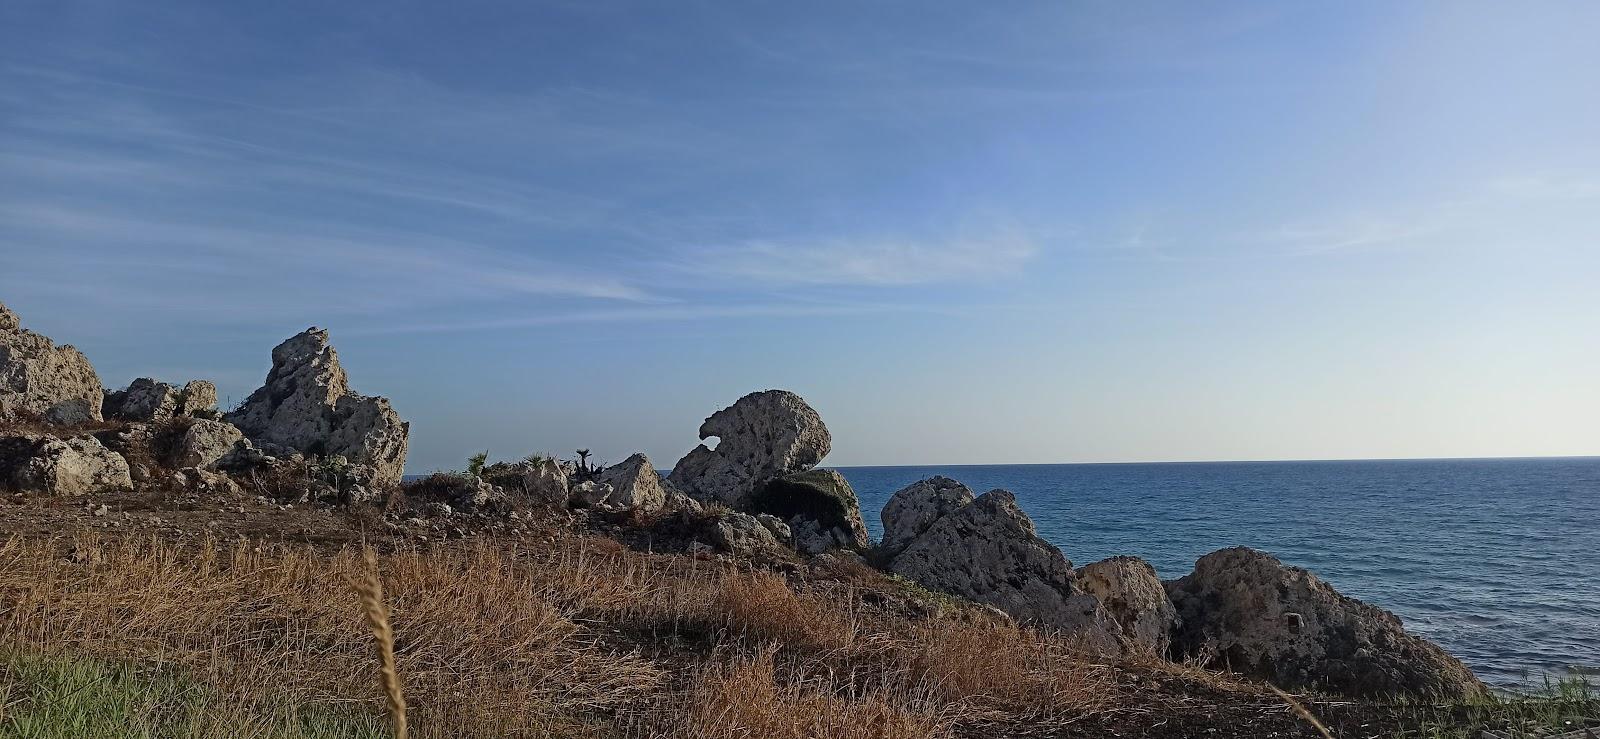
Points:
(576, 637)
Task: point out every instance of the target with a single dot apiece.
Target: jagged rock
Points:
(146, 399)
(38, 377)
(779, 529)
(72, 412)
(591, 494)
(763, 435)
(545, 483)
(742, 534)
(1244, 610)
(197, 397)
(989, 552)
(1132, 595)
(634, 484)
(244, 456)
(820, 508)
(677, 500)
(51, 466)
(306, 404)
(912, 509)
(205, 443)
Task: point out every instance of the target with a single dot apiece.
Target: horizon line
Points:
(1228, 461)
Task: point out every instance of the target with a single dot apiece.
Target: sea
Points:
(1496, 560)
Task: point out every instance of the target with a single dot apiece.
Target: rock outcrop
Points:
(1244, 610)
(306, 404)
(820, 508)
(146, 400)
(1132, 595)
(53, 466)
(634, 484)
(912, 509)
(989, 552)
(763, 435)
(39, 378)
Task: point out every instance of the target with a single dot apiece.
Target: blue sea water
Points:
(1497, 560)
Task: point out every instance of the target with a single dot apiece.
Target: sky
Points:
(964, 232)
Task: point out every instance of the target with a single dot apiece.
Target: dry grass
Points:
(575, 637)
(370, 589)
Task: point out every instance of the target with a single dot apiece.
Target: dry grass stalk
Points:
(1303, 712)
(371, 590)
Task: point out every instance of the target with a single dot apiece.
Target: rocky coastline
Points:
(306, 439)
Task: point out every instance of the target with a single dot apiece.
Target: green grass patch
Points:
(75, 698)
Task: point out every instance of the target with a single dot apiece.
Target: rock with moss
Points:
(306, 404)
(50, 465)
(38, 378)
(1245, 610)
(819, 507)
(763, 436)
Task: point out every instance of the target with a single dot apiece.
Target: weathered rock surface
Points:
(1132, 595)
(306, 404)
(72, 412)
(634, 484)
(591, 494)
(545, 483)
(1247, 611)
(52, 466)
(146, 400)
(820, 508)
(38, 377)
(742, 534)
(912, 509)
(205, 443)
(989, 552)
(763, 435)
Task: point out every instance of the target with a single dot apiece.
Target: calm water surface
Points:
(1498, 560)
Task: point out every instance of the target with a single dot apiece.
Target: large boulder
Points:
(39, 378)
(912, 509)
(146, 399)
(1246, 611)
(762, 436)
(53, 466)
(989, 552)
(204, 443)
(634, 484)
(306, 404)
(1132, 595)
(820, 508)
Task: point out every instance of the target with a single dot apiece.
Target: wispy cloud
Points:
(663, 313)
(882, 261)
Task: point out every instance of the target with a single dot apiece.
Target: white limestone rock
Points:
(634, 484)
(762, 436)
(205, 443)
(1132, 595)
(989, 552)
(912, 509)
(37, 377)
(53, 466)
(306, 404)
(545, 483)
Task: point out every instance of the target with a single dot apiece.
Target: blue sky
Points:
(966, 232)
